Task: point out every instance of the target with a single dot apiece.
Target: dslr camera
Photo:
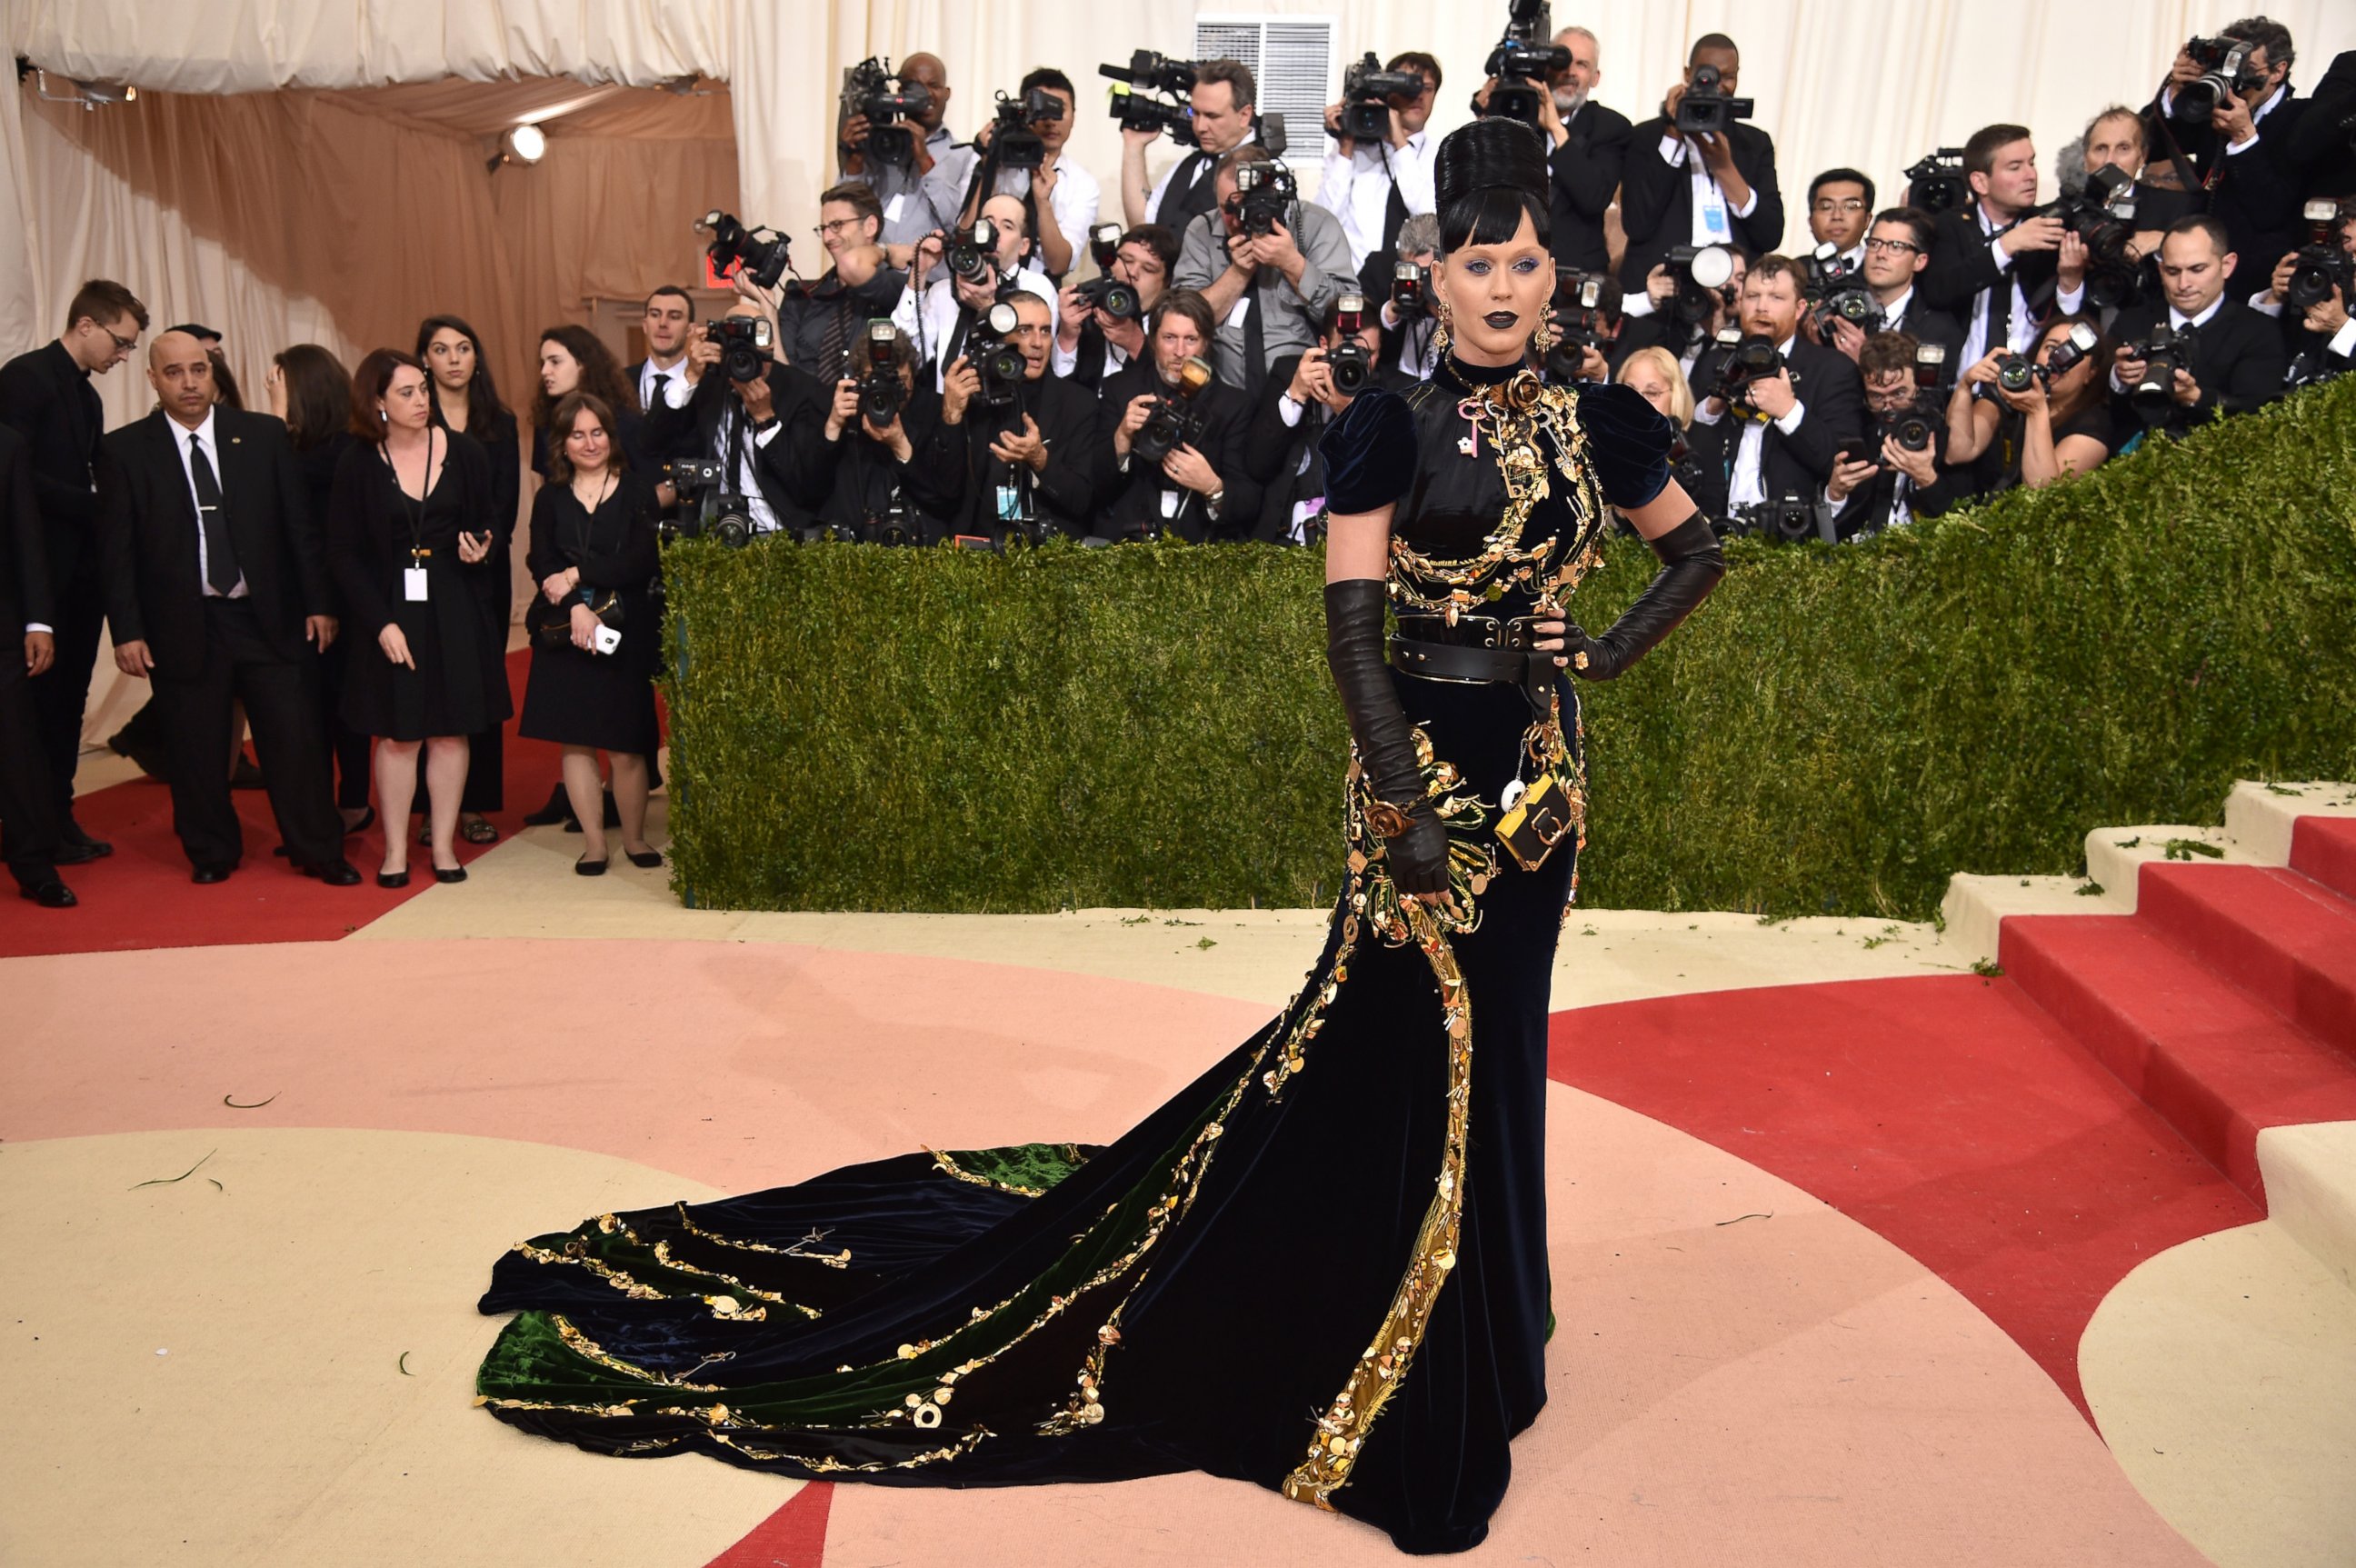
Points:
(1705, 277)
(744, 346)
(973, 254)
(1834, 291)
(869, 88)
(1706, 110)
(1786, 518)
(1937, 183)
(1264, 194)
(2102, 213)
(1586, 316)
(1410, 292)
(1015, 143)
(2224, 70)
(707, 508)
(1144, 93)
(763, 254)
(2320, 265)
(1524, 62)
(1366, 92)
(2163, 354)
(998, 362)
(1915, 426)
(1173, 423)
(881, 395)
(1353, 367)
(2015, 373)
(1742, 361)
(1105, 292)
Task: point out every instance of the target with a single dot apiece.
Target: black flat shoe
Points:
(555, 811)
(645, 862)
(392, 878)
(206, 876)
(586, 868)
(51, 894)
(450, 873)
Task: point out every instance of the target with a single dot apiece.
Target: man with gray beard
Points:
(1590, 144)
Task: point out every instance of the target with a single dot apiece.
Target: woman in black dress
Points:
(593, 555)
(1322, 1266)
(466, 401)
(312, 392)
(2059, 424)
(411, 523)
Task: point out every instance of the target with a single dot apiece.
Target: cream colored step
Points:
(2311, 1175)
(2259, 816)
(1976, 907)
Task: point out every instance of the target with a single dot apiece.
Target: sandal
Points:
(478, 829)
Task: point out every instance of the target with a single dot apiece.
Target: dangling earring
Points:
(1441, 335)
(382, 417)
(1543, 340)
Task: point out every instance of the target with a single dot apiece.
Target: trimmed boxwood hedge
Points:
(1837, 731)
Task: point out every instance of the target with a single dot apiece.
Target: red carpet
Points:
(140, 896)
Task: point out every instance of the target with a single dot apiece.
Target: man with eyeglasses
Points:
(46, 398)
(1899, 248)
(820, 329)
(1374, 186)
(1838, 201)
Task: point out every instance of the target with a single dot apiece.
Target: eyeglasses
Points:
(121, 345)
(823, 230)
(1844, 204)
(1899, 245)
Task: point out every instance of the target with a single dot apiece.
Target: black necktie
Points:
(221, 555)
(657, 396)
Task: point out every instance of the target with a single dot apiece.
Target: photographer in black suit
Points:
(2229, 359)
(764, 428)
(1024, 463)
(1586, 163)
(1888, 484)
(879, 489)
(1712, 188)
(46, 397)
(1092, 343)
(217, 588)
(28, 823)
(1897, 249)
(1999, 271)
(1779, 434)
(1280, 452)
(2234, 155)
(2321, 338)
(1201, 490)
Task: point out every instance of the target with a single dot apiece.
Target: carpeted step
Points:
(2212, 1059)
(2325, 849)
(2281, 936)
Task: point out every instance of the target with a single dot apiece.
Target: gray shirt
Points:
(911, 203)
(1290, 318)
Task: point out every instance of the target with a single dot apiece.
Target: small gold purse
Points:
(1535, 823)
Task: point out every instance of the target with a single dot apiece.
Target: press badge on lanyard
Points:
(1010, 503)
(412, 581)
(1714, 220)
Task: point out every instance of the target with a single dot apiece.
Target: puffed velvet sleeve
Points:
(1369, 453)
(1629, 441)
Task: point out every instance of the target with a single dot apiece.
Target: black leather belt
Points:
(1479, 649)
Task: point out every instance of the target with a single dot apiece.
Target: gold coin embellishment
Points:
(1092, 1413)
(907, 1353)
(943, 1396)
(719, 1412)
(1445, 1261)
(928, 1415)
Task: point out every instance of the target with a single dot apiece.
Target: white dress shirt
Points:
(649, 370)
(1746, 486)
(2020, 328)
(1074, 203)
(1678, 152)
(1115, 358)
(181, 436)
(930, 329)
(1357, 190)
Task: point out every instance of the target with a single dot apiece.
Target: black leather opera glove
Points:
(1691, 564)
(1418, 853)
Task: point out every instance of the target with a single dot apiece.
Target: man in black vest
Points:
(1222, 101)
(28, 821)
(1998, 272)
(1201, 490)
(217, 587)
(1709, 189)
(1588, 158)
(46, 397)
(2231, 358)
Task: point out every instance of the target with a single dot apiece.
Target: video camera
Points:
(882, 394)
(764, 253)
(1524, 64)
(745, 342)
(1173, 423)
(1143, 92)
(1264, 194)
(1410, 292)
(1015, 143)
(870, 88)
(997, 361)
(2225, 69)
(707, 508)
(1938, 184)
(1366, 92)
(1105, 292)
(2320, 265)
(1351, 365)
(1705, 109)
(1835, 293)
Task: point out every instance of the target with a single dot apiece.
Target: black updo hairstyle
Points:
(1490, 172)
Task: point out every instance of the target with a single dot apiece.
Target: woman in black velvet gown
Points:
(1322, 1266)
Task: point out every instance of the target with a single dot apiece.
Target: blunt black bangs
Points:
(1490, 216)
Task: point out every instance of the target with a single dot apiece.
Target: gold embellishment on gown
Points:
(948, 1166)
(799, 1250)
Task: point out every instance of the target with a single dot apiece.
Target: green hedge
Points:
(1837, 730)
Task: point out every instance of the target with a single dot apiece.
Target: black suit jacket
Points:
(24, 554)
(1962, 268)
(788, 468)
(1656, 201)
(1063, 494)
(1832, 396)
(1928, 324)
(1132, 502)
(2238, 360)
(47, 399)
(1273, 450)
(149, 525)
(864, 477)
(2256, 191)
(2317, 147)
(1586, 176)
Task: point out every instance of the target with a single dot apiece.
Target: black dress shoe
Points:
(336, 874)
(245, 774)
(558, 808)
(206, 876)
(392, 878)
(82, 853)
(51, 894)
(76, 838)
